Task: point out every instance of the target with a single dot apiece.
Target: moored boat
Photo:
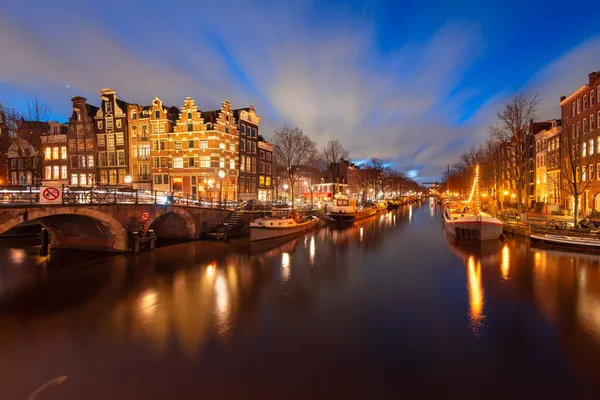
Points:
(575, 242)
(345, 210)
(273, 227)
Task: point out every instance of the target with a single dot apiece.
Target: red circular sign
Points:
(51, 193)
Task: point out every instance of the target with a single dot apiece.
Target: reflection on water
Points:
(390, 298)
(476, 300)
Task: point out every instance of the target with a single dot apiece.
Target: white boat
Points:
(345, 210)
(273, 227)
(591, 243)
(464, 223)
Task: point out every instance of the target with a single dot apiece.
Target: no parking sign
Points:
(50, 195)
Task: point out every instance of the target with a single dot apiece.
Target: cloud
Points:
(300, 63)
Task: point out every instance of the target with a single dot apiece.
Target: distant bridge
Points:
(105, 219)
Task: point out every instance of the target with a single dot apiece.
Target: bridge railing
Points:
(22, 195)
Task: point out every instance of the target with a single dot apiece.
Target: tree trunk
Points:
(292, 195)
(575, 210)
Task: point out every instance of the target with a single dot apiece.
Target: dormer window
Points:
(250, 117)
(107, 106)
(189, 116)
(157, 114)
(133, 115)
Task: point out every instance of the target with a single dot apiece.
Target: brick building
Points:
(112, 140)
(148, 123)
(265, 170)
(23, 163)
(55, 164)
(580, 112)
(81, 136)
(4, 145)
(248, 122)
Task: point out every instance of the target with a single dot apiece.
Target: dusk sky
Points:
(412, 82)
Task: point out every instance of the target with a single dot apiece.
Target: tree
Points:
(293, 150)
(514, 128)
(375, 170)
(576, 160)
(331, 155)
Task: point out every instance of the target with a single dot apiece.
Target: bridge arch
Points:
(174, 222)
(73, 227)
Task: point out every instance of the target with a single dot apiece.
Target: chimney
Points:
(562, 98)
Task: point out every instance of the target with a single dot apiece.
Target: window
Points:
(583, 174)
(157, 114)
(584, 102)
(82, 179)
(222, 145)
(242, 183)
(81, 144)
(190, 127)
(226, 129)
(261, 154)
(158, 179)
(177, 145)
(261, 180)
(591, 172)
(253, 165)
(591, 146)
(81, 161)
(101, 140)
(231, 146)
(118, 123)
(573, 109)
(190, 144)
(268, 181)
(63, 172)
(102, 162)
(268, 156)
(74, 179)
(584, 125)
(598, 171)
(90, 161)
(242, 163)
(48, 153)
(254, 132)
(119, 139)
(100, 125)
(268, 168)
(261, 167)
(133, 115)
(254, 147)
(73, 161)
(243, 145)
(592, 126)
(161, 128)
(189, 115)
(163, 162)
(232, 164)
(144, 151)
(243, 127)
(584, 149)
(190, 161)
(578, 106)
(204, 161)
(112, 159)
(72, 145)
(63, 152)
(109, 124)
(204, 144)
(248, 164)
(107, 106)
(121, 157)
(110, 142)
(178, 162)
(56, 172)
(221, 162)
(88, 127)
(592, 97)
(48, 172)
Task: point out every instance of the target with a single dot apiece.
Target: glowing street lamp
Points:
(128, 179)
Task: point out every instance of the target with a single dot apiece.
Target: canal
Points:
(385, 308)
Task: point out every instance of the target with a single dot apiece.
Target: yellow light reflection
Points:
(147, 305)
(476, 300)
(362, 233)
(17, 256)
(312, 250)
(285, 267)
(210, 271)
(410, 213)
(505, 266)
(222, 303)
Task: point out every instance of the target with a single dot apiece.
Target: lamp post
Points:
(285, 188)
(221, 175)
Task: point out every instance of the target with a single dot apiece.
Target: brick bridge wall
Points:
(107, 227)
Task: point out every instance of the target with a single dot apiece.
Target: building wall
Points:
(265, 171)
(81, 136)
(55, 164)
(580, 113)
(248, 122)
(112, 139)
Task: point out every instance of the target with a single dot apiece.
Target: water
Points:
(386, 308)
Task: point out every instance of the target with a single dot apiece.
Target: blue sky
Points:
(412, 82)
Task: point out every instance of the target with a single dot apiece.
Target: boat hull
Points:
(266, 232)
(348, 218)
(474, 228)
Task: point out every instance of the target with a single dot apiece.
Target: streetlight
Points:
(285, 188)
(221, 175)
(128, 179)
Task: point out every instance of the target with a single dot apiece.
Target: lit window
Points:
(63, 152)
(121, 157)
(222, 163)
(48, 153)
(231, 146)
(133, 115)
(591, 146)
(204, 162)
(204, 144)
(109, 124)
(222, 145)
(90, 161)
(82, 179)
(119, 139)
(231, 164)
(101, 140)
(243, 163)
(74, 179)
(177, 145)
(63, 172)
(178, 162)
(55, 172)
(48, 172)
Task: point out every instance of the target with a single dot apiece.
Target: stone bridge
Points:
(107, 227)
